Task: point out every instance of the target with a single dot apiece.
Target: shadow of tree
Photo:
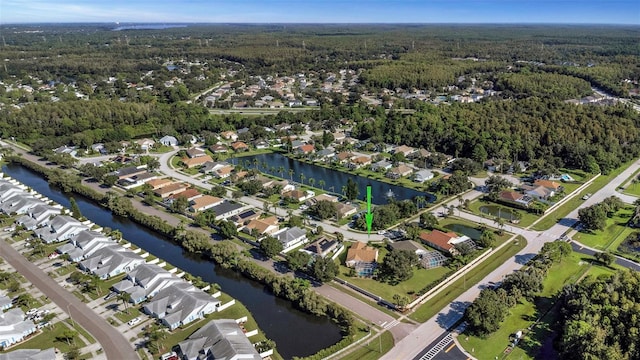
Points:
(524, 258)
(445, 320)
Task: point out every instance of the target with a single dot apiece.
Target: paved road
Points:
(114, 344)
(429, 331)
(582, 249)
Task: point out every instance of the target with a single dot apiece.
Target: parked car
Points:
(110, 295)
(134, 321)
(586, 196)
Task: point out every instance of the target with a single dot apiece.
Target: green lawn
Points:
(123, 316)
(525, 314)
(372, 349)
(613, 234)
(46, 339)
(562, 211)
(437, 303)
(527, 217)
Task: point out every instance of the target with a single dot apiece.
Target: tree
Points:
(323, 209)
(298, 260)
(352, 190)
(228, 229)
(24, 300)
(312, 182)
(179, 205)
(487, 239)
(324, 269)
(605, 258)
(495, 184)
(125, 297)
(485, 314)
(67, 335)
(321, 183)
(75, 209)
(400, 301)
(397, 266)
(593, 217)
(271, 246)
(428, 220)
(291, 172)
(109, 180)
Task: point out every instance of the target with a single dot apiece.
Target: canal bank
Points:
(280, 321)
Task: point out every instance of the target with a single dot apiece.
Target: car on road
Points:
(134, 321)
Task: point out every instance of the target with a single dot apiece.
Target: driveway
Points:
(114, 344)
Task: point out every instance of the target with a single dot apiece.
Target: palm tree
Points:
(500, 222)
(420, 200)
(256, 163)
(273, 169)
(247, 163)
(265, 165)
(321, 183)
(312, 181)
(344, 190)
(302, 177)
(125, 297)
(291, 174)
(280, 170)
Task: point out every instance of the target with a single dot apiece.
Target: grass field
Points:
(526, 313)
(572, 204)
(613, 234)
(433, 306)
(372, 349)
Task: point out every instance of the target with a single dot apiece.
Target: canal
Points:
(334, 180)
(296, 333)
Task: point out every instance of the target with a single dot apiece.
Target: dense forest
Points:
(599, 318)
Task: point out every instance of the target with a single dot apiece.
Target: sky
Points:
(322, 11)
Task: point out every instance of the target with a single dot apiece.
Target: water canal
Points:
(296, 333)
(334, 180)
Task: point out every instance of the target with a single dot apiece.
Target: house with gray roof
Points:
(422, 176)
(219, 339)
(84, 244)
(291, 237)
(38, 216)
(111, 261)
(145, 282)
(60, 228)
(19, 204)
(381, 165)
(168, 140)
(5, 302)
(227, 209)
(180, 304)
(14, 328)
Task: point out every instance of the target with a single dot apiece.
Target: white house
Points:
(38, 216)
(168, 140)
(110, 261)
(145, 282)
(422, 176)
(219, 339)
(291, 237)
(180, 304)
(14, 328)
(60, 228)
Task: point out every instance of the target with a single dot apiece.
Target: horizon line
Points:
(308, 23)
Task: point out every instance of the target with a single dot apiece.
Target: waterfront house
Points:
(14, 328)
(229, 135)
(239, 146)
(343, 157)
(344, 210)
(227, 209)
(305, 149)
(189, 194)
(168, 140)
(145, 281)
(5, 303)
(325, 154)
(111, 261)
(299, 195)
(244, 217)
(322, 197)
(515, 197)
(261, 144)
(204, 202)
(210, 166)
(159, 183)
(170, 189)
(218, 339)
(19, 204)
(291, 237)
(180, 304)
(85, 244)
(362, 257)
(130, 171)
(422, 176)
(218, 148)
(38, 216)
(60, 228)
(381, 165)
(359, 162)
(399, 171)
(265, 226)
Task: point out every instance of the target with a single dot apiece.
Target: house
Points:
(539, 192)
(515, 197)
(305, 149)
(229, 135)
(5, 303)
(168, 140)
(399, 171)
(327, 153)
(321, 247)
(422, 176)
(344, 210)
(196, 161)
(218, 148)
(60, 228)
(111, 261)
(38, 216)
(420, 154)
(405, 150)
(409, 245)
(170, 189)
(146, 144)
(14, 328)
(381, 165)
(261, 144)
(291, 237)
(99, 148)
(359, 162)
(210, 166)
(492, 165)
(180, 304)
(189, 194)
(343, 157)
(159, 183)
(136, 180)
(281, 126)
(130, 171)
(19, 204)
(239, 146)
(145, 281)
(266, 226)
(85, 244)
(296, 143)
(551, 185)
(299, 195)
(445, 241)
(362, 257)
(244, 217)
(227, 209)
(204, 202)
(195, 152)
(31, 354)
(224, 172)
(322, 197)
(218, 339)
(339, 137)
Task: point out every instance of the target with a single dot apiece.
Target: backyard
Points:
(615, 231)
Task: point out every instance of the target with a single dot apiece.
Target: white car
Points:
(134, 321)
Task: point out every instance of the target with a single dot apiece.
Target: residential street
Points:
(114, 344)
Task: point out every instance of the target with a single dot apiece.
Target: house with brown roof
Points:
(539, 192)
(170, 189)
(195, 152)
(265, 226)
(359, 252)
(145, 144)
(322, 197)
(305, 149)
(218, 148)
(344, 156)
(399, 171)
(223, 172)
(551, 185)
(444, 241)
(239, 146)
(405, 150)
(299, 195)
(159, 183)
(229, 135)
(515, 197)
(196, 161)
(344, 210)
(189, 194)
(359, 162)
(204, 202)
